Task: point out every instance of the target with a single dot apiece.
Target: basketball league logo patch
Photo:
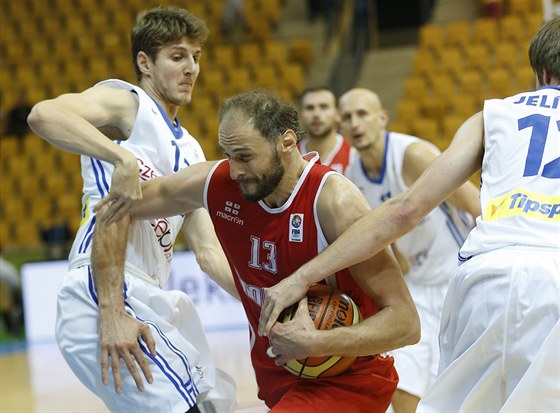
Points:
(296, 228)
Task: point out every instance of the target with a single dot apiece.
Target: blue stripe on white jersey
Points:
(84, 245)
(100, 177)
(452, 226)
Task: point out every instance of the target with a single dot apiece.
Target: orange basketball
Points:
(329, 308)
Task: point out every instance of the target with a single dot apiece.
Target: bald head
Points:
(365, 96)
(362, 117)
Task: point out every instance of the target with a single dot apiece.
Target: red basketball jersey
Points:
(264, 245)
(340, 156)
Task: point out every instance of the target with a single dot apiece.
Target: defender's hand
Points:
(119, 337)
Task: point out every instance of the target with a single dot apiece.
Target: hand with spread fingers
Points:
(290, 340)
(278, 297)
(121, 336)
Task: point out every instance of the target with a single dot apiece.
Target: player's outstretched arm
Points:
(383, 225)
(72, 122)
(164, 196)
(396, 324)
(120, 335)
(202, 239)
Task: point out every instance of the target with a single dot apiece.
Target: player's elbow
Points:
(38, 115)
(411, 332)
(409, 213)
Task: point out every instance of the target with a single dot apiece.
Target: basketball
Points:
(329, 308)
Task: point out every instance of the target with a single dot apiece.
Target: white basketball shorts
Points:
(183, 370)
(499, 310)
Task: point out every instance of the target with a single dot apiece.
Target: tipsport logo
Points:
(524, 203)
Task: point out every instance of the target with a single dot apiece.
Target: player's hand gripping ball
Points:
(329, 308)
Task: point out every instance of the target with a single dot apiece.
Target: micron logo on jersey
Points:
(524, 203)
(230, 213)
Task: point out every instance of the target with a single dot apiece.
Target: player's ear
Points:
(383, 118)
(288, 141)
(143, 62)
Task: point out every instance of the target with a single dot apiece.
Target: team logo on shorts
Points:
(296, 228)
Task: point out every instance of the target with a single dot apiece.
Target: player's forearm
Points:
(214, 263)
(362, 240)
(390, 328)
(108, 259)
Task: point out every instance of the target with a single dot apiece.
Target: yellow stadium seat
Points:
(432, 107)
(431, 37)
(485, 31)
(428, 129)
(27, 235)
(406, 111)
(301, 51)
(293, 77)
(478, 57)
(275, 52)
(471, 84)
(250, 54)
(443, 86)
(271, 10)
(266, 76)
(463, 105)
(240, 80)
(532, 23)
(506, 56)
(415, 87)
(450, 124)
(499, 83)
(511, 29)
(451, 61)
(423, 63)
(259, 31)
(524, 79)
(458, 34)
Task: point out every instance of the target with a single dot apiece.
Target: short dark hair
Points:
(266, 112)
(159, 26)
(314, 89)
(544, 51)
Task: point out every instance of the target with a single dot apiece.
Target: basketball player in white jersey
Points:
(103, 316)
(499, 334)
(387, 164)
(319, 118)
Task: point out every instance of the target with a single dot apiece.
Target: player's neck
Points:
(373, 157)
(293, 171)
(322, 144)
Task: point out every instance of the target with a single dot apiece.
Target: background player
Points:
(273, 210)
(100, 315)
(504, 302)
(387, 164)
(319, 118)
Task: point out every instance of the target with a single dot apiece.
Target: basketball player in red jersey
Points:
(319, 118)
(273, 210)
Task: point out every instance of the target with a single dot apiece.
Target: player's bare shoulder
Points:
(340, 204)
(116, 109)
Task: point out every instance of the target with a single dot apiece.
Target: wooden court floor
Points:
(37, 379)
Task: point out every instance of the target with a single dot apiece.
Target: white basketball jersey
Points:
(520, 193)
(161, 149)
(432, 247)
